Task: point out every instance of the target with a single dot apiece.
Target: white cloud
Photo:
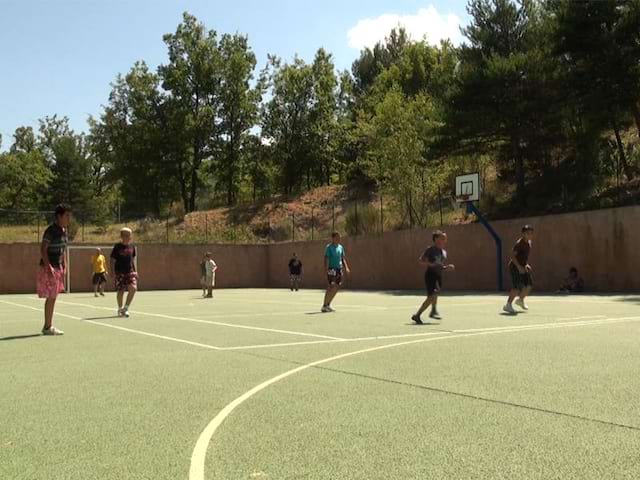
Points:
(426, 22)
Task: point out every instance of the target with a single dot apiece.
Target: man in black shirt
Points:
(123, 265)
(52, 266)
(295, 272)
(434, 258)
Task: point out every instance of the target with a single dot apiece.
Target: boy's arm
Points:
(44, 254)
(346, 264)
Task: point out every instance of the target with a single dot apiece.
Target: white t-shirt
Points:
(211, 267)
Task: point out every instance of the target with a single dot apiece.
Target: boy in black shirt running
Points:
(434, 258)
(123, 265)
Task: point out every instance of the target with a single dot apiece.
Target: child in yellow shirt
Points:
(99, 264)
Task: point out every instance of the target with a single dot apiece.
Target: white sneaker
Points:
(330, 309)
(325, 309)
(125, 312)
(521, 304)
(508, 308)
(52, 332)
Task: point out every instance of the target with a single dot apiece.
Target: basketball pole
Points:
(471, 208)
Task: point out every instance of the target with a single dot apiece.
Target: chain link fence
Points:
(269, 223)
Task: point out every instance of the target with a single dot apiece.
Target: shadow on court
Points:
(110, 317)
(20, 337)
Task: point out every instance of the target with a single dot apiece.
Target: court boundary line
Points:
(336, 340)
(199, 453)
(209, 322)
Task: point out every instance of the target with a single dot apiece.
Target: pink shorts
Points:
(50, 283)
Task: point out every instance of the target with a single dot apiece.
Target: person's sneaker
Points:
(125, 312)
(330, 308)
(508, 308)
(95, 295)
(521, 304)
(435, 316)
(102, 294)
(325, 309)
(416, 318)
(52, 332)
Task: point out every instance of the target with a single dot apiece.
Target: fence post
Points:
(440, 202)
(356, 215)
(333, 217)
(410, 211)
(167, 225)
(381, 215)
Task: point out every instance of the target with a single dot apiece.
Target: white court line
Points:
(154, 335)
(210, 322)
(198, 457)
(124, 329)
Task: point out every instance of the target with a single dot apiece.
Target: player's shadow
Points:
(110, 317)
(423, 324)
(20, 337)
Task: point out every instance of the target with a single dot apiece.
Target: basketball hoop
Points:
(462, 198)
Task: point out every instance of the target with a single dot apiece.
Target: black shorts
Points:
(520, 281)
(334, 276)
(99, 278)
(433, 280)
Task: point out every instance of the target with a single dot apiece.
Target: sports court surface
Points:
(255, 384)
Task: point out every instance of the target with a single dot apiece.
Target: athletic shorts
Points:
(99, 278)
(208, 281)
(334, 276)
(294, 277)
(433, 281)
(126, 280)
(520, 281)
(50, 283)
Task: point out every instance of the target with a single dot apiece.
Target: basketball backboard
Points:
(468, 188)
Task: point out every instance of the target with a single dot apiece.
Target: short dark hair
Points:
(61, 209)
(573, 270)
(335, 234)
(437, 234)
(527, 228)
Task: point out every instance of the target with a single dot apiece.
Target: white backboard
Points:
(468, 185)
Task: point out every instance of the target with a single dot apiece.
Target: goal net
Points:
(79, 275)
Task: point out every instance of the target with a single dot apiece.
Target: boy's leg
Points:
(131, 292)
(434, 304)
(120, 297)
(49, 305)
(426, 304)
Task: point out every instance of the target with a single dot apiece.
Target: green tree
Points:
(24, 174)
(238, 113)
(193, 78)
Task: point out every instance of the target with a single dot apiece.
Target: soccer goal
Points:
(79, 274)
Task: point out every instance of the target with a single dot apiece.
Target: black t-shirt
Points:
(56, 238)
(295, 267)
(435, 256)
(522, 249)
(123, 256)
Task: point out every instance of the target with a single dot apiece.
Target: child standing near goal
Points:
(99, 264)
(521, 278)
(123, 265)
(434, 258)
(210, 268)
(52, 266)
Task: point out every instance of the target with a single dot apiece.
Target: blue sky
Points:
(59, 56)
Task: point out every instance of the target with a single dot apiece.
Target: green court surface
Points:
(255, 384)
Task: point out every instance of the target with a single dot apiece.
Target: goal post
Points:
(79, 271)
